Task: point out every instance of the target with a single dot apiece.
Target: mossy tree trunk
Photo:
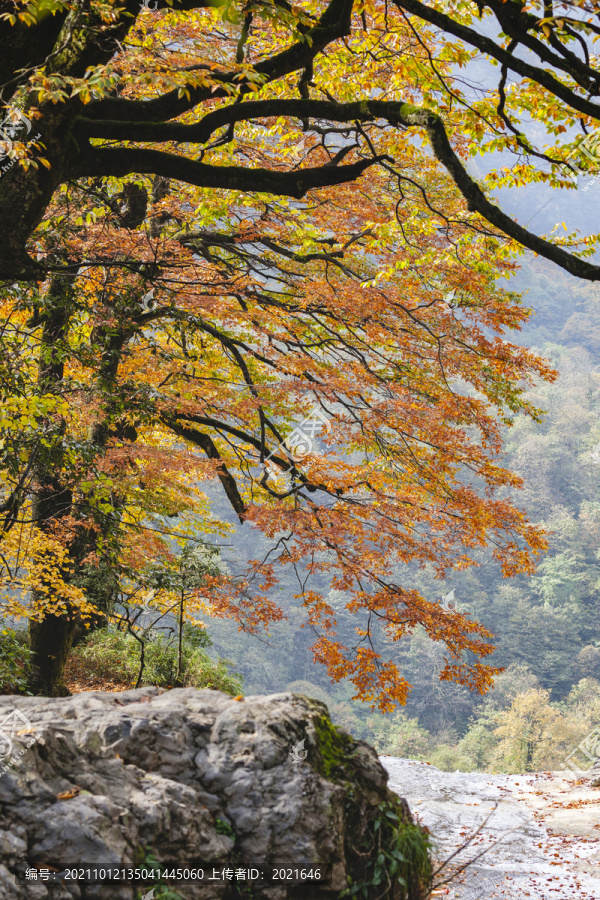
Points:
(93, 534)
(50, 638)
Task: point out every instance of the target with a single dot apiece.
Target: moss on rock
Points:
(387, 853)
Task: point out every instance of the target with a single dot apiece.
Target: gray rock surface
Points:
(197, 777)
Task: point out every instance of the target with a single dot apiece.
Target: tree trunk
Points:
(529, 760)
(50, 639)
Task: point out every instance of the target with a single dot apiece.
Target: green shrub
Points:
(393, 859)
(450, 759)
(15, 660)
(400, 735)
(115, 655)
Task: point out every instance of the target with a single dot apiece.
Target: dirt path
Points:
(546, 825)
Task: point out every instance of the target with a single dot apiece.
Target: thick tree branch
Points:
(282, 461)
(201, 132)
(296, 184)
(24, 195)
(478, 202)
(239, 433)
(517, 23)
(120, 161)
(333, 24)
(208, 446)
(24, 48)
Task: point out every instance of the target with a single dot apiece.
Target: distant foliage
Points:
(402, 736)
(528, 734)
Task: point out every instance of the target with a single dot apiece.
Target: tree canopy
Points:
(234, 227)
(106, 82)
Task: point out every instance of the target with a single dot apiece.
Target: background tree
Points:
(193, 568)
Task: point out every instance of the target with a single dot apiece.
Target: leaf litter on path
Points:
(541, 840)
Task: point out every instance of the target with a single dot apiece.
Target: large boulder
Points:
(196, 779)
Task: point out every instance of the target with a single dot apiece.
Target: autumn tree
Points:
(228, 224)
(99, 117)
(532, 734)
(210, 372)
